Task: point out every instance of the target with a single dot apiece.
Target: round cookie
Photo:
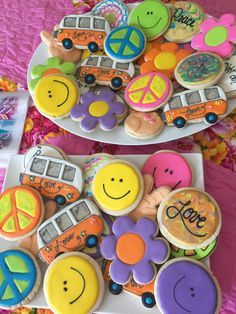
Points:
(152, 17)
(228, 81)
(199, 70)
(55, 95)
(185, 23)
(73, 283)
(19, 278)
(169, 168)
(118, 187)
(187, 286)
(189, 218)
(22, 211)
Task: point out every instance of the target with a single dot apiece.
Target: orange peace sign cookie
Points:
(21, 212)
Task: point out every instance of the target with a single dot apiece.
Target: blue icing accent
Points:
(31, 277)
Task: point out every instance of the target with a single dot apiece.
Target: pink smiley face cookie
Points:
(169, 168)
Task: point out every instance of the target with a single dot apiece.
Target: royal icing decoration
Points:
(125, 44)
(228, 81)
(185, 23)
(148, 92)
(133, 250)
(73, 283)
(152, 17)
(102, 109)
(182, 286)
(164, 59)
(19, 278)
(55, 95)
(217, 36)
(199, 70)
(118, 187)
(169, 168)
(189, 218)
(114, 11)
(21, 212)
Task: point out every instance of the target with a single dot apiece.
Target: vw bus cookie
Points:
(98, 69)
(56, 179)
(83, 32)
(191, 106)
(74, 227)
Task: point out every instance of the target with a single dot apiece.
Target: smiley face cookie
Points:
(118, 187)
(152, 17)
(73, 284)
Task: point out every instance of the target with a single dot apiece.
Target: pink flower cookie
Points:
(217, 36)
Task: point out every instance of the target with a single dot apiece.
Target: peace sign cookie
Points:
(19, 278)
(125, 44)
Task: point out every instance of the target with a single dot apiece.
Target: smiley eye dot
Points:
(171, 171)
(65, 289)
(49, 91)
(64, 282)
(121, 180)
(166, 170)
(50, 96)
(193, 295)
(112, 179)
(191, 289)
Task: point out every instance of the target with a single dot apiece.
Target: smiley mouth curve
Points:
(148, 27)
(174, 289)
(67, 92)
(114, 198)
(83, 285)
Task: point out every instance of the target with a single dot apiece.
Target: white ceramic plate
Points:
(125, 302)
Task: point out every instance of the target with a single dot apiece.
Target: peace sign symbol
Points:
(18, 275)
(125, 44)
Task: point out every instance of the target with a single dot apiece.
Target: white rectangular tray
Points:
(125, 302)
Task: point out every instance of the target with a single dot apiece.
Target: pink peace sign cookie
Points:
(148, 91)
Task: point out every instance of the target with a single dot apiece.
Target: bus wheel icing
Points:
(60, 200)
(148, 299)
(67, 43)
(91, 241)
(115, 288)
(211, 118)
(116, 82)
(179, 123)
(93, 47)
(89, 79)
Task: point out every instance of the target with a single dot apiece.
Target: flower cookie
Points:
(185, 23)
(118, 187)
(187, 286)
(125, 44)
(19, 278)
(189, 218)
(199, 70)
(21, 212)
(133, 250)
(152, 17)
(148, 92)
(228, 81)
(143, 125)
(73, 283)
(218, 36)
(169, 168)
(164, 59)
(103, 110)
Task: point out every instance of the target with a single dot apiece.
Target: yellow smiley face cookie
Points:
(56, 95)
(73, 284)
(118, 187)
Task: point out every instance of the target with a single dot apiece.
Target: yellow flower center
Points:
(98, 108)
(165, 61)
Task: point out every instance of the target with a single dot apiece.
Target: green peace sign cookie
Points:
(152, 17)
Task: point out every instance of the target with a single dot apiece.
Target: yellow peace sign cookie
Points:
(73, 284)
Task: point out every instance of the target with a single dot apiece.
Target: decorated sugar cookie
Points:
(185, 23)
(199, 70)
(73, 283)
(21, 212)
(118, 187)
(55, 95)
(133, 250)
(148, 92)
(164, 59)
(143, 125)
(114, 11)
(193, 106)
(80, 222)
(19, 278)
(168, 168)
(102, 70)
(125, 44)
(218, 36)
(152, 17)
(198, 254)
(187, 286)
(189, 218)
(228, 81)
(103, 110)
(83, 32)
(91, 165)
